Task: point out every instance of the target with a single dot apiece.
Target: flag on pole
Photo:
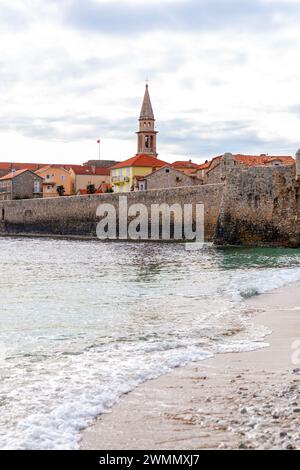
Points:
(98, 141)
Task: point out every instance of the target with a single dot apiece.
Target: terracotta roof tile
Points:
(142, 160)
(20, 166)
(9, 166)
(185, 164)
(208, 164)
(87, 170)
(258, 160)
(252, 160)
(13, 174)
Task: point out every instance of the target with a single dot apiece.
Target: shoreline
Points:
(141, 240)
(240, 400)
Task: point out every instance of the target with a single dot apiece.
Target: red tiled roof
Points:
(20, 166)
(33, 166)
(257, 160)
(143, 160)
(185, 164)
(43, 169)
(208, 164)
(252, 160)
(13, 174)
(87, 170)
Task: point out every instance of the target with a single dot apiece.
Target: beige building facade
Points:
(82, 177)
(53, 178)
(167, 177)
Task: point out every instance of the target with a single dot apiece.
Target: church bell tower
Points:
(147, 133)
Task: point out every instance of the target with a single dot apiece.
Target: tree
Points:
(60, 190)
(91, 189)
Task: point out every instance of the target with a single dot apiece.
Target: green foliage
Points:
(91, 189)
(60, 190)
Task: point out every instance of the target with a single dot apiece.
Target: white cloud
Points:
(63, 87)
(142, 2)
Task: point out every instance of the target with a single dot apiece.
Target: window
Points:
(37, 187)
(63, 177)
(48, 177)
(48, 189)
(167, 170)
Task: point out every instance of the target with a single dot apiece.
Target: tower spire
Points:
(147, 111)
(147, 133)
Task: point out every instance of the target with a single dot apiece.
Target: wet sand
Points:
(232, 401)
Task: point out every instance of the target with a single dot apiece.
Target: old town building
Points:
(21, 184)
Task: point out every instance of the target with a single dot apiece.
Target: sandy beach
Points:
(248, 400)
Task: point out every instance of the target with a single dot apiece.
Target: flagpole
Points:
(99, 142)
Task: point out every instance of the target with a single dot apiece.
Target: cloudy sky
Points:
(224, 76)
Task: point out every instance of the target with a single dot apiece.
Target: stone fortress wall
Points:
(259, 206)
(76, 215)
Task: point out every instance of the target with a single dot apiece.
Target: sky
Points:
(224, 76)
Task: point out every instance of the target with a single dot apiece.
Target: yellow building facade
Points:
(123, 179)
(123, 175)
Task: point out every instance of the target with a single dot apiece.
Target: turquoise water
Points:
(81, 323)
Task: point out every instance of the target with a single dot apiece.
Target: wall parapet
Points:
(76, 215)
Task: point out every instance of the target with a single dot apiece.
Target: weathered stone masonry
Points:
(76, 216)
(258, 206)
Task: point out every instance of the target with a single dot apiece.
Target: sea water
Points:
(83, 322)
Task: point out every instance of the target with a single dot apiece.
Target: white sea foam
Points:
(102, 319)
(260, 282)
(82, 396)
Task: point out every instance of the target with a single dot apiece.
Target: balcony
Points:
(118, 180)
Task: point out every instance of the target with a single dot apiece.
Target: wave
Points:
(265, 281)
